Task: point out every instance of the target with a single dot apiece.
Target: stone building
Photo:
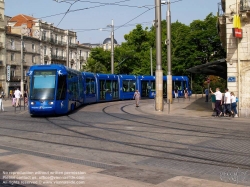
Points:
(2, 47)
(43, 44)
(237, 46)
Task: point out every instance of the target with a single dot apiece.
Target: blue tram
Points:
(56, 89)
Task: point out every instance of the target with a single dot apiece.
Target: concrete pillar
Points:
(170, 88)
(159, 90)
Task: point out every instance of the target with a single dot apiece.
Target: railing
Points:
(244, 5)
(58, 57)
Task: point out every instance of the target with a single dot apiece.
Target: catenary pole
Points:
(158, 72)
(112, 47)
(169, 64)
(22, 86)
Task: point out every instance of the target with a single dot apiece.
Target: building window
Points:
(45, 50)
(24, 58)
(55, 38)
(33, 47)
(80, 53)
(12, 44)
(44, 35)
(56, 52)
(12, 73)
(33, 59)
(12, 56)
(45, 62)
(71, 55)
(70, 40)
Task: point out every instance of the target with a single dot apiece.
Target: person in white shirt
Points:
(227, 102)
(218, 98)
(1, 103)
(234, 105)
(17, 94)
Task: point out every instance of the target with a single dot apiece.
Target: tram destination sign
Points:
(44, 73)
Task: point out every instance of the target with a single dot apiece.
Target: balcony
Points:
(244, 5)
(17, 78)
(56, 57)
(82, 59)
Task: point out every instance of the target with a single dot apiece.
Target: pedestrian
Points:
(1, 103)
(137, 97)
(176, 92)
(18, 95)
(227, 103)
(186, 93)
(2, 94)
(207, 93)
(218, 98)
(234, 104)
(25, 97)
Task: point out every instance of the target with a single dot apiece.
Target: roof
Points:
(21, 19)
(108, 40)
(217, 68)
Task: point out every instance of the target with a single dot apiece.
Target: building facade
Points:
(43, 44)
(236, 40)
(2, 47)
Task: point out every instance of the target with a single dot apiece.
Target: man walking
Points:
(17, 96)
(218, 97)
(227, 102)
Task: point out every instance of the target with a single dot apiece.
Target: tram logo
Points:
(62, 104)
(59, 72)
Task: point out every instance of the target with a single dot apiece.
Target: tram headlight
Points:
(32, 103)
(51, 103)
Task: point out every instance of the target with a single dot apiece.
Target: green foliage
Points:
(191, 45)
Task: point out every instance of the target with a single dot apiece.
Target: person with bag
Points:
(137, 97)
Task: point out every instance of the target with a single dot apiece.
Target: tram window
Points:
(177, 84)
(61, 87)
(90, 86)
(185, 85)
(128, 86)
(43, 85)
(153, 86)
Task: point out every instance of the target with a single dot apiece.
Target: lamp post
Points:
(112, 46)
(168, 43)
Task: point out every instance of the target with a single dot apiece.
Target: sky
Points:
(90, 18)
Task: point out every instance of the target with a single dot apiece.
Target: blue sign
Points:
(231, 79)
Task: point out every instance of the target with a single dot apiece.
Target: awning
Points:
(217, 68)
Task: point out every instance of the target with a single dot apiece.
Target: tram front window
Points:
(43, 85)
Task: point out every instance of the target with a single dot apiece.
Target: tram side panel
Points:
(127, 86)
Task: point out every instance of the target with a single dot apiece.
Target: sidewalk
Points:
(194, 106)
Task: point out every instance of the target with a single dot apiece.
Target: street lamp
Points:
(112, 46)
(168, 43)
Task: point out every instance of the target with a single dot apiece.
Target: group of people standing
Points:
(225, 103)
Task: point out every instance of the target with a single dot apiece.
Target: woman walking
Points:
(137, 97)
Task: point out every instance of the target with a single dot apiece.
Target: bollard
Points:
(24, 104)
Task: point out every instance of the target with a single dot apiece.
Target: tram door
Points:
(115, 89)
(102, 89)
(144, 88)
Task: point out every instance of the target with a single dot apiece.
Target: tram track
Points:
(169, 155)
(231, 133)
